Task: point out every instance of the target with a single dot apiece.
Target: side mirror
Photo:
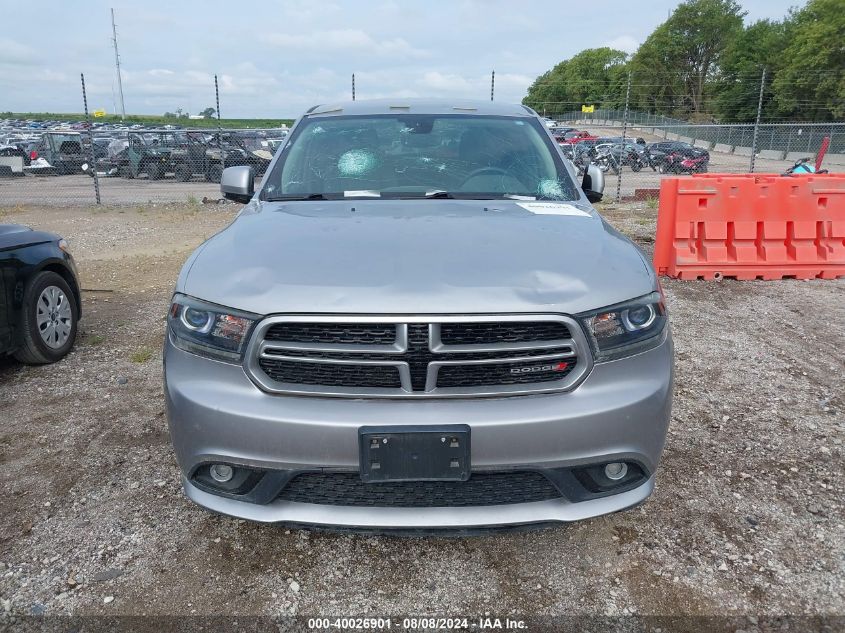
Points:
(593, 183)
(238, 183)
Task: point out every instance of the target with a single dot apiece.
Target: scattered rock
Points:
(108, 574)
(122, 380)
(108, 599)
(294, 586)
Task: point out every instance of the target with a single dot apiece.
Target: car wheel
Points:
(214, 173)
(155, 171)
(663, 168)
(49, 320)
(183, 172)
(636, 166)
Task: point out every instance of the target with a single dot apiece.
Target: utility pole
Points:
(117, 65)
(353, 86)
(757, 122)
(492, 84)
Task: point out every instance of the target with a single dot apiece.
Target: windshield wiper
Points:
(282, 197)
(438, 193)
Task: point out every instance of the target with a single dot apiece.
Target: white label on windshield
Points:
(552, 208)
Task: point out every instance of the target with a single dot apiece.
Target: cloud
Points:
(343, 40)
(626, 43)
(15, 53)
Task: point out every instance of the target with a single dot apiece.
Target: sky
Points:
(277, 58)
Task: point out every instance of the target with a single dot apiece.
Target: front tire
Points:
(183, 172)
(214, 173)
(49, 320)
(155, 171)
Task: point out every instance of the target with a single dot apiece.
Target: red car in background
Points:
(574, 136)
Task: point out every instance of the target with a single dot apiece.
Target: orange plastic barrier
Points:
(755, 226)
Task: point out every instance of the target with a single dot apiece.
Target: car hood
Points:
(416, 257)
(18, 235)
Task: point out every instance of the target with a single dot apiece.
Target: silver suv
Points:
(418, 321)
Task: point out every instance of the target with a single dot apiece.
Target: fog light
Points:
(614, 470)
(221, 473)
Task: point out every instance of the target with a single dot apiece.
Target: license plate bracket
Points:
(414, 453)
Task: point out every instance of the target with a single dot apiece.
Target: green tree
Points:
(208, 113)
(593, 76)
(811, 83)
(673, 66)
(737, 91)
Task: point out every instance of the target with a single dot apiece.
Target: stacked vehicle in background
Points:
(676, 157)
(58, 148)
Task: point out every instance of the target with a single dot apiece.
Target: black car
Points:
(677, 157)
(40, 302)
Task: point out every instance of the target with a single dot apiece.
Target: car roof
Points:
(420, 106)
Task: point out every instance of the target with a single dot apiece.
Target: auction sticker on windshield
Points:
(552, 208)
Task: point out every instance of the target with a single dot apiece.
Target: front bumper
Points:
(620, 412)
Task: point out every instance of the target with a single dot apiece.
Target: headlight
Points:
(627, 328)
(209, 330)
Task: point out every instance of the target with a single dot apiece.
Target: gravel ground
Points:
(747, 518)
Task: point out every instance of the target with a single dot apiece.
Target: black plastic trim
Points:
(574, 482)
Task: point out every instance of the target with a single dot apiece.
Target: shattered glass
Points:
(356, 162)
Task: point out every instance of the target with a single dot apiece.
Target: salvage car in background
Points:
(206, 155)
(63, 151)
(675, 157)
(150, 153)
(40, 302)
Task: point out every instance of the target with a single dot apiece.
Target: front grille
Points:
(455, 356)
(480, 333)
(331, 374)
(341, 333)
(507, 374)
(481, 489)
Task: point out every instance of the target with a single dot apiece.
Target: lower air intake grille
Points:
(482, 489)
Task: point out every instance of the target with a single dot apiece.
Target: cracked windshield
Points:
(413, 156)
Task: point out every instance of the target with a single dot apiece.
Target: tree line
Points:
(704, 64)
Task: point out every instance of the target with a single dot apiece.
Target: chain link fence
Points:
(84, 162)
(780, 137)
(128, 167)
(633, 169)
(80, 161)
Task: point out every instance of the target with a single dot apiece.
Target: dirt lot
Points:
(747, 518)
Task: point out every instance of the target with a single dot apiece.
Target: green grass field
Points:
(145, 119)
